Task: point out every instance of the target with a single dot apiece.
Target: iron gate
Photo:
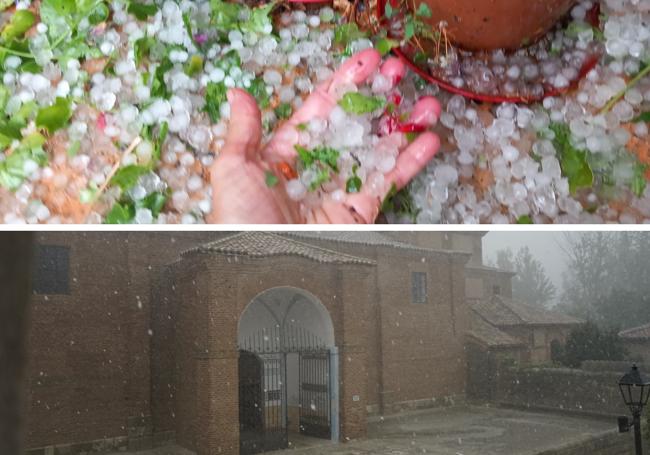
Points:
(262, 403)
(315, 403)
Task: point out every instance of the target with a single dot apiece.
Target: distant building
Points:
(637, 342)
(536, 329)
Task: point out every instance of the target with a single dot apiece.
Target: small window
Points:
(419, 287)
(496, 290)
(51, 270)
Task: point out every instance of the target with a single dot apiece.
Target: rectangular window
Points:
(496, 290)
(51, 270)
(419, 287)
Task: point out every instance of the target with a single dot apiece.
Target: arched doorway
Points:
(286, 337)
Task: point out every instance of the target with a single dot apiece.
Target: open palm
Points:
(238, 175)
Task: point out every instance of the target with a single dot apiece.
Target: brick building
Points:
(235, 342)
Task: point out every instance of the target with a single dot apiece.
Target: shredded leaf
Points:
(54, 117)
(142, 10)
(644, 117)
(356, 103)
(572, 160)
(385, 45)
(354, 183)
(215, 95)
(270, 179)
(423, 10)
(283, 111)
(127, 176)
(20, 22)
(259, 20)
(346, 33)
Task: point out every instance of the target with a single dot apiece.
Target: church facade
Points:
(232, 343)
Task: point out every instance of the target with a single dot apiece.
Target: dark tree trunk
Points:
(15, 273)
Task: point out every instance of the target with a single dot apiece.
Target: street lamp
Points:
(635, 390)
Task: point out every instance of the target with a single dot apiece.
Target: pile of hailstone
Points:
(578, 158)
(115, 112)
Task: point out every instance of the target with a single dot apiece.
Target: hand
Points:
(238, 175)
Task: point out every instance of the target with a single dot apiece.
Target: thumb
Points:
(245, 126)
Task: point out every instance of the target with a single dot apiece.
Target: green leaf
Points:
(99, 14)
(319, 158)
(639, 181)
(353, 185)
(388, 10)
(283, 111)
(20, 22)
(385, 45)
(159, 141)
(87, 195)
(356, 103)
(54, 117)
(644, 117)
(322, 176)
(215, 95)
(194, 66)
(141, 48)
(120, 214)
(142, 10)
(4, 97)
(270, 179)
(74, 148)
(12, 169)
(346, 33)
(229, 59)
(258, 90)
(387, 203)
(127, 176)
(11, 129)
(154, 202)
(423, 11)
(304, 155)
(572, 160)
(525, 219)
(4, 4)
(158, 86)
(225, 15)
(409, 30)
(259, 20)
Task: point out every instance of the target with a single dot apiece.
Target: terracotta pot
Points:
(493, 24)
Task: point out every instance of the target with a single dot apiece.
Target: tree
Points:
(530, 284)
(606, 278)
(589, 342)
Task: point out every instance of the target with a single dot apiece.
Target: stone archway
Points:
(292, 334)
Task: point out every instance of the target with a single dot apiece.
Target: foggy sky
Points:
(543, 245)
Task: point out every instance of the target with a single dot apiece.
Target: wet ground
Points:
(467, 430)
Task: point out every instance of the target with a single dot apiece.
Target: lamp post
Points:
(635, 390)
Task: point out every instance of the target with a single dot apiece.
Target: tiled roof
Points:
(489, 335)
(501, 311)
(488, 268)
(265, 244)
(637, 333)
(366, 238)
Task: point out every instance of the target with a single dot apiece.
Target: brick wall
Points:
(106, 360)
(559, 389)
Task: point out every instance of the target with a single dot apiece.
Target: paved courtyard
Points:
(467, 430)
